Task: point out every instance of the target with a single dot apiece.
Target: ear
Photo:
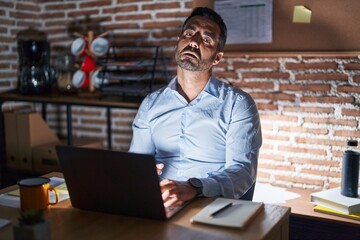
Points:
(218, 57)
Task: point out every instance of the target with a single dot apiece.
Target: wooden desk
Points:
(305, 223)
(69, 223)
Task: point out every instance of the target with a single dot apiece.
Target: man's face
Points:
(197, 45)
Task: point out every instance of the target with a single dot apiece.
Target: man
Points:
(205, 134)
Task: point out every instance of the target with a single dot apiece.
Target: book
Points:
(322, 209)
(333, 199)
(228, 213)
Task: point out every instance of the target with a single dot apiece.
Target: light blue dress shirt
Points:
(215, 138)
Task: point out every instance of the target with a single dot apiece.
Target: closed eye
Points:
(207, 40)
(188, 33)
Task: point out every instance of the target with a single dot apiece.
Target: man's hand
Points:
(176, 192)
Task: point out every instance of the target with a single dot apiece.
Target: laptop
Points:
(113, 182)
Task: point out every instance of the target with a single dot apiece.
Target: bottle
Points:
(350, 170)
(34, 76)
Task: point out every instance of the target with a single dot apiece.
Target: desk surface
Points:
(69, 223)
(301, 207)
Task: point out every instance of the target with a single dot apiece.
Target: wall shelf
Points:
(134, 70)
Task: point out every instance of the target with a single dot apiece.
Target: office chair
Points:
(249, 194)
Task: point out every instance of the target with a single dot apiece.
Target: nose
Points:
(195, 41)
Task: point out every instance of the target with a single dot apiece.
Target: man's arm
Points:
(242, 149)
(142, 141)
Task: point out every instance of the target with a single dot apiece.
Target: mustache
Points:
(192, 50)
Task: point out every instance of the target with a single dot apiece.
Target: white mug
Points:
(78, 47)
(96, 81)
(80, 79)
(99, 46)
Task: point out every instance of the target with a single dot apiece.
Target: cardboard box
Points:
(12, 156)
(25, 130)
(45, 159)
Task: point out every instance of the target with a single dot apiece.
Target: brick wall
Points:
(309, 107)
(309, 103)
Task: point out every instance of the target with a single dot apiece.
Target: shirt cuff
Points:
(210, 187)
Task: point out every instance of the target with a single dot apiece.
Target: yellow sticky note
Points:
(15, 192)
(301, 14)
(62, 188)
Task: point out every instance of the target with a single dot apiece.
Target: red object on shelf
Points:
(88, 64)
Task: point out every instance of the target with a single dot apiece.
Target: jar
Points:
(65, 67)
(34, 74)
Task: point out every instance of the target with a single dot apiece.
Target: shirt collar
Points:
(173, 84)
(212, 86)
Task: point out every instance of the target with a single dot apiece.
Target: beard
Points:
(186, 59)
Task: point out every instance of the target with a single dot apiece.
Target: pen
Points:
(221, 209)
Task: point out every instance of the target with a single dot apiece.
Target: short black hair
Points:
(213, 16)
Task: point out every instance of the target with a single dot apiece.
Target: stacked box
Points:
(30, 143)
(23, 131)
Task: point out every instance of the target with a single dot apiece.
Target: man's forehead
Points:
(203, 22)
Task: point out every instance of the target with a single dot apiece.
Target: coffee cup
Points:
(80, 79)
(99, 46)
(98, 81)
(79, 46)
(35, 193)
